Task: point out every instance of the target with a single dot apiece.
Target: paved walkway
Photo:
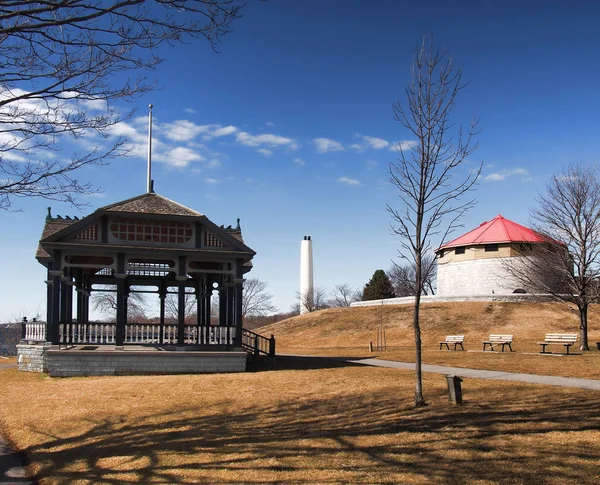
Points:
(486, 374)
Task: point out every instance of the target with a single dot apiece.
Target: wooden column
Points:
(48, 304)
(222, 305)
(56, 273)
(238, 281)
(208, 302)
(181, 314)
(162, 294)
(121, 314)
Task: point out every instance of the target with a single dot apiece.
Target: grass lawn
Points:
(302, 422)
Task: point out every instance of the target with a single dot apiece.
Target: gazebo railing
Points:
(135, 333)
(33, 331)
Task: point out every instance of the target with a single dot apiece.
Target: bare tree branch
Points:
(256, 301)
(65, 65)
(343, 295)
(568, 264)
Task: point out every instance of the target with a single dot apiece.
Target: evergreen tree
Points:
(378, 287)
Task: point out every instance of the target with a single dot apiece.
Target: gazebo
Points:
(148, 244)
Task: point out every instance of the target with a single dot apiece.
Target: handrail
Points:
(257, 344)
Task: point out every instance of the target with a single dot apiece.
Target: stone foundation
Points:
(73, 362)
(31, 357)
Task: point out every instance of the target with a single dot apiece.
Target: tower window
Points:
(490, 247)
(460, 250)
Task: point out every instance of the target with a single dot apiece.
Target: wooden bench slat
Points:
(498, 339)
(565, 339)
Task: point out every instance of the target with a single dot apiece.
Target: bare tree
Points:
(568, 264)
(172, 306)
(317, 302)
(343, 295)
(256, 301)
(423, 173)
(403, 278)
(105, 301)
(65, 64)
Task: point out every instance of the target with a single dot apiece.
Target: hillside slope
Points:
(355, 327)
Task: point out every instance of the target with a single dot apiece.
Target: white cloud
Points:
(182, 130)
(371, 164)
(299, 161)
(348, 181)
(213, 163)
(403, 145)
(191, 111)
(222, 131)
(211, 181)
(179, 157)
(369, 142)
(270, 124)
(504, 174)
(266, 139)
(265, 152)
(325, 145)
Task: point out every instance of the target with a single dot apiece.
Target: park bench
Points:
(495, 340)
(454, 340)
(566, 339)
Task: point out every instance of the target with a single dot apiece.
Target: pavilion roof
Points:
(151, 203)
(498, 230)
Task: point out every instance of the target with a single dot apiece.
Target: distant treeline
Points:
(10, 335)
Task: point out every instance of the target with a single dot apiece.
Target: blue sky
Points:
(290, 128)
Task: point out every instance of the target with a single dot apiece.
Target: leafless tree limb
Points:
(65, 65)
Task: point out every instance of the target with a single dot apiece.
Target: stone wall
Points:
(407, 300)
(31, 358)
(67, 363)
(479, 277)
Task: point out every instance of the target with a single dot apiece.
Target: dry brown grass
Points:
(299, 424)
(347, 331)
(317, 421)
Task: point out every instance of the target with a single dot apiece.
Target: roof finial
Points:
(49, 216)
(150, 187)
(238, 228)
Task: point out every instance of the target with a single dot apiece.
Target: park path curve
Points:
(485, 374)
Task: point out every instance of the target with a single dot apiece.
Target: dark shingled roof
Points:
(151, 203)
(52, 226)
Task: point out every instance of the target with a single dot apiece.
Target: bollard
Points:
(454, 389)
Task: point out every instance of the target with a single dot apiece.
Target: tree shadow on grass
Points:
(354, 438)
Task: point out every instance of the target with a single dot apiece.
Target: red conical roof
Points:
(498, 230)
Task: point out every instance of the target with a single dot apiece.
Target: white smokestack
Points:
(306, 276)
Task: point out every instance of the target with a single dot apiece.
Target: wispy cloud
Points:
(369, 142)
(403, 145)
(266, 139)
(348, 181)
(191, 111)
(299, 161)
(325, 145)
(265, 152)
(211, 181)
(504, 174)
(372, 164)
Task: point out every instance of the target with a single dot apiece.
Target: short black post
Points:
(272, 348)
(23, 328)
(454, 389)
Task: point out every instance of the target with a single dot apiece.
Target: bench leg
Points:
(510, 347)
(543, 349)
(567, 346)
(461, 346)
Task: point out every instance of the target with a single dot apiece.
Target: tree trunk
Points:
(583, 327)
(419, 400)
